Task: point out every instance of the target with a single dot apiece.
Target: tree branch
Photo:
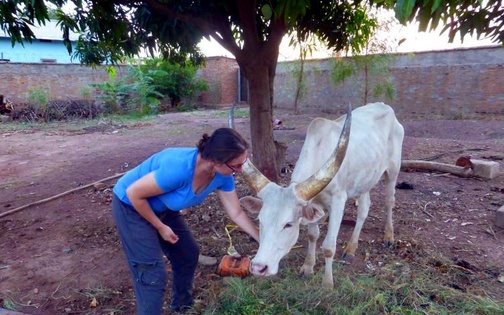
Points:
(246, 12)
(222, 34)
(58, 195)
(201, 23)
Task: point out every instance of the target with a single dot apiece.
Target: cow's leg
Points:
(362, 213)
(329, 244)
(313, 235)
(390, 183)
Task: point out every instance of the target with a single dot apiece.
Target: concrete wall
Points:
(36, 51)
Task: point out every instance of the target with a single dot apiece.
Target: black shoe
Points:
(180, 309)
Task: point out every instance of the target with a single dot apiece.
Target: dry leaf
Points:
(94, 303)
(368, 255)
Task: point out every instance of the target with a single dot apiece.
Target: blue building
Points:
(47, 47)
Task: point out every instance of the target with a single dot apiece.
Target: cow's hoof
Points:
(328, 283)
(388, 243)
(305, 271)
(347, 258)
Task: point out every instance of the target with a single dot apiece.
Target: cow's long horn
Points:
(254, 178)
(309, 188)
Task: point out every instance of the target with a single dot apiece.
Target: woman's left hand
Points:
(167, 234)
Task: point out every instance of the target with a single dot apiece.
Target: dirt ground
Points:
(59, 256)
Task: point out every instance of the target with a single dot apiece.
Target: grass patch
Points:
(104, 300)
(113, 120)
(78, 124)
(429, 287)
(15, 300)
(222, 113)
(11, 184)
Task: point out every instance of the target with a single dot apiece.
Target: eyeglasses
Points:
(237, 167)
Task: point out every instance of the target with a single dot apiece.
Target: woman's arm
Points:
(138, 193)
(234, 210)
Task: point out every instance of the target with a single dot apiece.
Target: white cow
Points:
(324, 178)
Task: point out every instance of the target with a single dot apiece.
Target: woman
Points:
(146, 208)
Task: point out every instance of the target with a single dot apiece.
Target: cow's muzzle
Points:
(259, 269)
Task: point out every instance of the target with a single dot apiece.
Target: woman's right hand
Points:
(167, 234)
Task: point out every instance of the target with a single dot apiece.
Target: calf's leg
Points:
(390, 179)
(362, 213)
(329, 244)
(313, 235)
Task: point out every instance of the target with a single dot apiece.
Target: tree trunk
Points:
(302, 57)
(366, 84)
(261, 126)
(299, 84)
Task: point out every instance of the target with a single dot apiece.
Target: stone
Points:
(207, 260)
(485, 169)
(499, 217)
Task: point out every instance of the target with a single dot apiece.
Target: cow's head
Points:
(283, 209)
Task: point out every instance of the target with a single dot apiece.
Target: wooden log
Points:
(6, 213)
(436, 167)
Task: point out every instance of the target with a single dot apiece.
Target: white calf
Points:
(324, 178)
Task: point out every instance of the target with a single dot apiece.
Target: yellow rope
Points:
(231, 250)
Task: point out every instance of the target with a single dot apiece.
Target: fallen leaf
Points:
(501, 278)
(94, 303)
(368, 255)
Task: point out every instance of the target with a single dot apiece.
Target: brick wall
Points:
(221, 74)
(457, 83)
(60, 81)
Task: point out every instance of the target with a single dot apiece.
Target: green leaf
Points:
(266, 11)
(435, 5)
(403, 9)
(424, 20)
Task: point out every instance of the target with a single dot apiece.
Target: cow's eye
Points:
(288, 225)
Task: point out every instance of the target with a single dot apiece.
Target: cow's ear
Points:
(311, 214)
(251, 204)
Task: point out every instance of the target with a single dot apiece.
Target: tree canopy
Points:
(483, 18)
(250, 30)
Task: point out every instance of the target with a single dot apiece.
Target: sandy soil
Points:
(58, 255)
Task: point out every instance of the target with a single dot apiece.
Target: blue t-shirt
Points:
(173, 172)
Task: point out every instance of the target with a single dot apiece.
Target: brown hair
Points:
(225, 144)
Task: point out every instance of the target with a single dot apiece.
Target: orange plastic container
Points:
(232, 266)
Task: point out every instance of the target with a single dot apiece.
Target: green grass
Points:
(222, 113)
(108, 300)
(15, 300)
(78, 124)
(8, 185)
(124, 120)
(397, 288)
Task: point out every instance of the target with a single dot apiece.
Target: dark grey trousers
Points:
(144, 249)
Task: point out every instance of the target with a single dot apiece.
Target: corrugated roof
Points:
(49, 31)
